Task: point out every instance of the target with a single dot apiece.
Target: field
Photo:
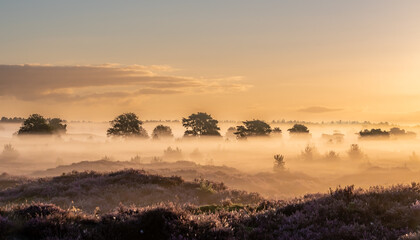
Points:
(86, 185)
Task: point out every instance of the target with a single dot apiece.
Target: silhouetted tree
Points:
(276, 131)
(200, 124)
(35, 124)
(12, 120)
(57, 125)
(298, 128)
(253, 128)
(396, 131)
(355, 152)
(279, 162)
(374, 133)
(401, 133)
(127, 125)
(162, 131)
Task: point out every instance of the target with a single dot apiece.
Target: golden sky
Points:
(307, 60)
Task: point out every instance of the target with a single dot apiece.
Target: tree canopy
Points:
(276, 130)
(37, 124)
(253, 128)
(57, 125)
(200, 124)
(161, 131)
(127, 125)
(374, 133)
(298, 128)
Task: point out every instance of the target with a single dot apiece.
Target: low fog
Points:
(312, 164)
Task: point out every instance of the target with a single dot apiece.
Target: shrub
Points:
(309, 153)
(9, 152)
(276, 131)
(136, 159)
(332, 156)
(172, 153)
(162, 131)
(355, 152)
(279, 162)
(298, 128)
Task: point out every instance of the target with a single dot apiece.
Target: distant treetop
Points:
(127, 125)
(12, 120)
(374, 133)
(298, 128)
(37, 124)
(200, 124)
(253, 128)
(161, 131)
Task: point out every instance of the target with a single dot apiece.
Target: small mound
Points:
(92, 190)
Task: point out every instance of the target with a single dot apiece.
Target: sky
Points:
(315, 60)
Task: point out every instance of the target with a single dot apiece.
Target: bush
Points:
(355, 152)
(162, 131)
(298, 128)
(309, 153)
(172, 153)
(332, 156)
(279, 162)
(9, 152)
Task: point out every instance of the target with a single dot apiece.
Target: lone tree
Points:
(37, 124)
(162, 131)
(127, 125)
(200, 124)
(298, 128)
(253, 128)
(279, 163)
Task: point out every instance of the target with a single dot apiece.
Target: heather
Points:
(344, 213)
(90, 190)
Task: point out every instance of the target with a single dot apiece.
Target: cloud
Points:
(317, 109)
(31, 82)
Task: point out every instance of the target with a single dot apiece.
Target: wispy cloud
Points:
(75, 83)
(318, 109)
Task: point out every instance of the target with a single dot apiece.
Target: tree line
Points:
(196, 125)
(129, 125)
